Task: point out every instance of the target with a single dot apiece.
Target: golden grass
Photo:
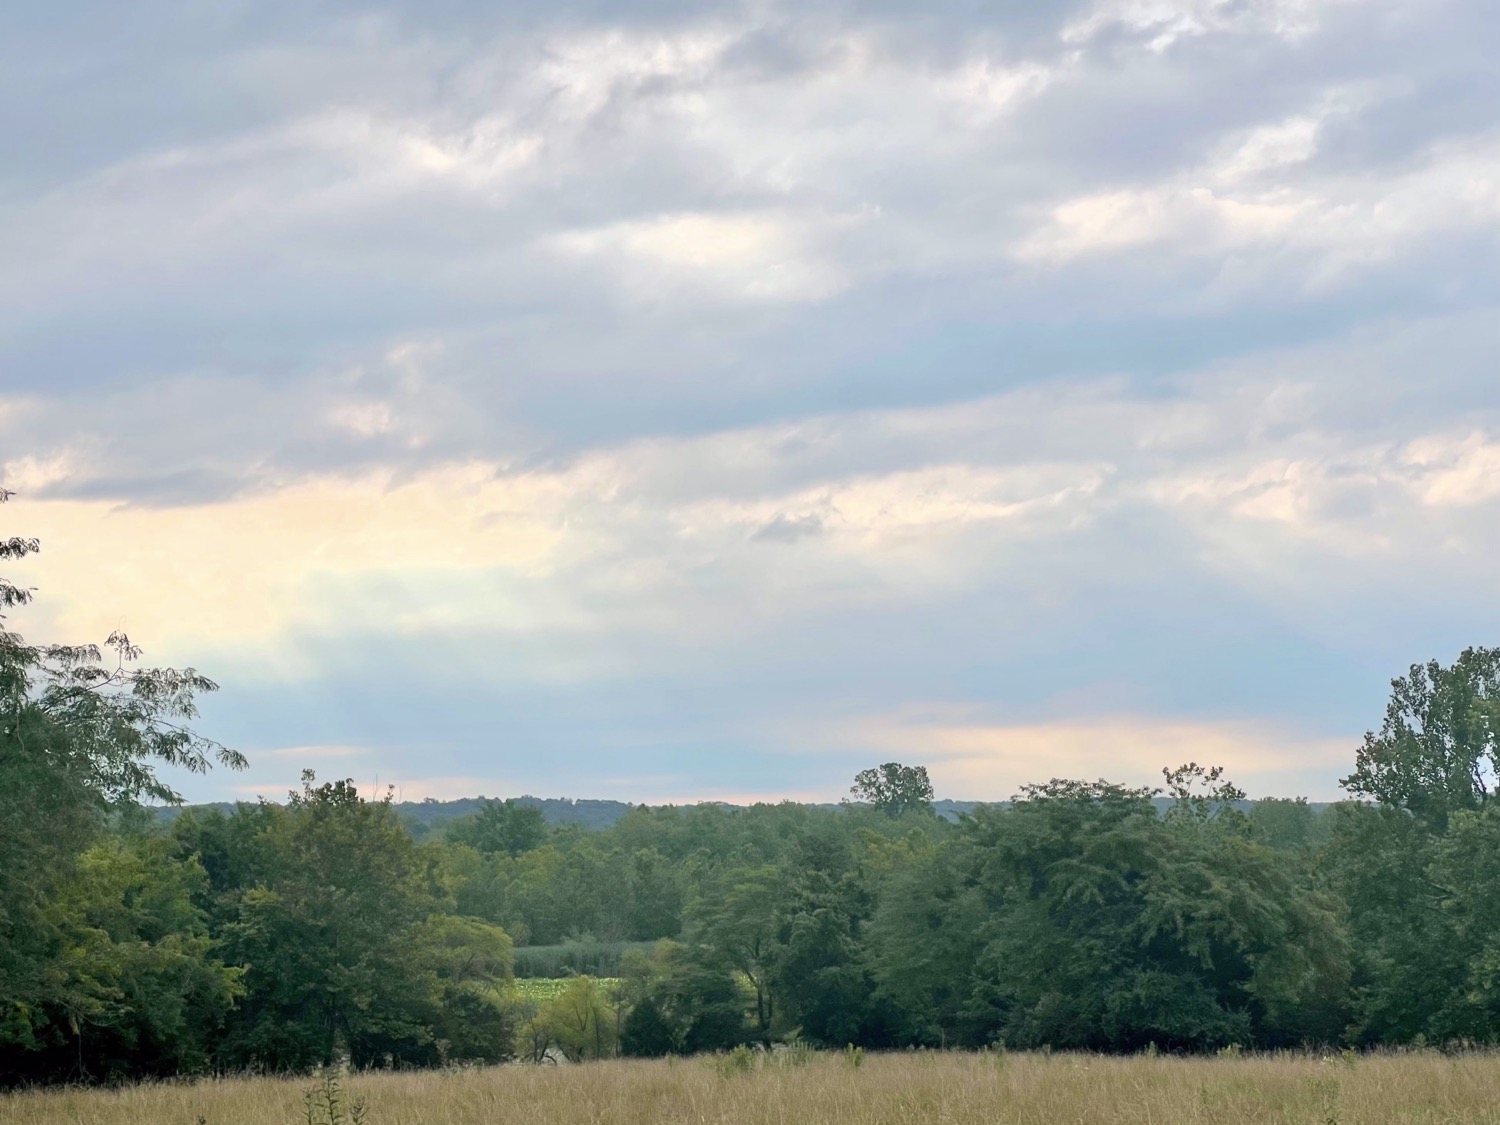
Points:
(894, 1089)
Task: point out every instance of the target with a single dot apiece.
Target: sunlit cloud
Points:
(991, 761)
(245, 569)
(749, 257)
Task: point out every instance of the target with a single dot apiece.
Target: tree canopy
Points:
(894, 789)
(1436, 752)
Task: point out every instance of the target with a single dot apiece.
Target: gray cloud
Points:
(789, 529)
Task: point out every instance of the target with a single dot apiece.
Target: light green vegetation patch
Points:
(543, 989)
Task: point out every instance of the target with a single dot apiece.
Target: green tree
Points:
(646, 1033)
(734, 921)
(894, 789)
(701, 1000)
(346, 948)
(1406, 961)
(1411, 870)
(501, 827)
(12, 548)
(819, 976)
(923, 942)
(141, 989)
(1436, 751)
(1290, 824)
(1107, 927)
(1460, 870)
(471, 961)
(82, 737)
(582, 1020)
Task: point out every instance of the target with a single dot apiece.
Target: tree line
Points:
(1082, 915)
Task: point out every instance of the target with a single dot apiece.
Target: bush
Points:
(741, 1060)
(646, 1033)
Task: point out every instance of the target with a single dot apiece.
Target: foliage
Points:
(700, 999)
(348, 950)
(894, 789)
(583, 1020)
(733, 1062)
(1094, 923)
(501, 828)
(646, 1032)
(1290, 825)
(1436, 753)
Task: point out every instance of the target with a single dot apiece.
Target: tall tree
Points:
(80, 737)
(1407, 965)
(894, 789)
(1436, 752)
(501, 828)
(1108, 927)
(334, 938)
(734, 921)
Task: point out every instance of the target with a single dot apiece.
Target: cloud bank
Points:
(662, 402)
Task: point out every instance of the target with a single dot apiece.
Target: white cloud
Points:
(990, 89)
(367, 419)
(1312, 236)
(1164, 22)
(589, 69)
(29, 474)
(1455, 472)
(1269, 147)
(756, 257)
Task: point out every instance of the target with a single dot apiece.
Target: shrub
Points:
(741, 1060)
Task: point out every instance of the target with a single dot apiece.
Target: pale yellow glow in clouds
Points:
(244, 569)
(985, 761)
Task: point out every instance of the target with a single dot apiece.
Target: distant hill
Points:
(424, 816)
(421, 817)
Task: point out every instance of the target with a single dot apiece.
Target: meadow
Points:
(540, 990)
(907, 1088)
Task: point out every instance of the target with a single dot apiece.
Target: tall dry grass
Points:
(894, 1089)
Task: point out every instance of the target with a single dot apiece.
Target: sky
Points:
(671, 402)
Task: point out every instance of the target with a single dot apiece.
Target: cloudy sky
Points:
(668, 401)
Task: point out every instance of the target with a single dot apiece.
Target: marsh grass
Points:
(923, 1088)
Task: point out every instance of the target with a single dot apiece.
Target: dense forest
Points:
(1083, 914)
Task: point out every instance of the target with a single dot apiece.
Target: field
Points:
(542, 989)
(909, 1089)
